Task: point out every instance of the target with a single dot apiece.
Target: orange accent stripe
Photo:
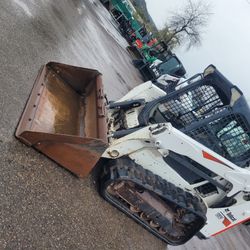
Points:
(212, 158)
(240, 222)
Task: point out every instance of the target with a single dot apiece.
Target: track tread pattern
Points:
(126, 169)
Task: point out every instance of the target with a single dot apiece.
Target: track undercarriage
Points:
(165, 210)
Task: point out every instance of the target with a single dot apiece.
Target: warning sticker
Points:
(226, 221)
(226, 217)
(219, 215)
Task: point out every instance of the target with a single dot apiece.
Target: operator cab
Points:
(211, 110)
(171, 66)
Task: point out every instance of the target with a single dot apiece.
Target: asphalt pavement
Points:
(237, 238)
(42, 205)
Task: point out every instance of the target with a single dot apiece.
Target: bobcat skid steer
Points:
(176, 163)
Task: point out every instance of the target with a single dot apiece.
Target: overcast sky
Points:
(226, 42)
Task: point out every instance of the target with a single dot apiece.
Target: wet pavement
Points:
(237, 238)
(42, 205)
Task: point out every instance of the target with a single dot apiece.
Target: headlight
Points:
(209, 70)
(235, 95)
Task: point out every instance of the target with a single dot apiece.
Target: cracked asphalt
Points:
(42, 205)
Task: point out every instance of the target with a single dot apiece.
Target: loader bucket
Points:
(64, 117)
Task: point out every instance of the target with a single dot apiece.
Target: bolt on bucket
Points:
(64, 117)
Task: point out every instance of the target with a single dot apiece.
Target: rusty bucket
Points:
(64, 117)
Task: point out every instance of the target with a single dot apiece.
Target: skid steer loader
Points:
(177, 163)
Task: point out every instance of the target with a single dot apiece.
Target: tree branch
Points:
(185, 26)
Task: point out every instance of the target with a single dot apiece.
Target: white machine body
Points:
(149, 146)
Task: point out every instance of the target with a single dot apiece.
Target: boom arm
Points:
(176, 141)
(166, 138)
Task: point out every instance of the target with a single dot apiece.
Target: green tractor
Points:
(156, 60)
(123, 12)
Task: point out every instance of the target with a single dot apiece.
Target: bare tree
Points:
(186, 26)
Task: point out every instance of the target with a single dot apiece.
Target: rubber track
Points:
(126, 169)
